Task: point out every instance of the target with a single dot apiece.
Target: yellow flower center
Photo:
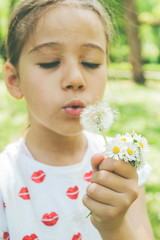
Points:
(123, 139)
(130, 151)
(141, 144)
(116, 149)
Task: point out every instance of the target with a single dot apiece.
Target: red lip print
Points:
(38, 177)
(50, 219)
(4, 205)
(32, 237)
(77, 237)
(6, 236)
(72, 193)
(24, 194)
(87, 176)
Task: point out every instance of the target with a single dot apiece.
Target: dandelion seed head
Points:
(97, 118)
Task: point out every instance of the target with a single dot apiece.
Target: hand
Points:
(113, 188)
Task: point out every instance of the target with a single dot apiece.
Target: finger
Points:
(120, 167)
(104, 195)
(110, 180)
(96, 160)
(116, 183)
(101, 210)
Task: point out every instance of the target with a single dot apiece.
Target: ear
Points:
(12, 81)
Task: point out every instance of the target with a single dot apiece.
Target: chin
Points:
(72, 131)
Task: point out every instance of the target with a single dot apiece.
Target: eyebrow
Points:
(48, 45)
(56, 44)
(92, 45)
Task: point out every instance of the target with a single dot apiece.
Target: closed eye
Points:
(90, 65)
(49, 65)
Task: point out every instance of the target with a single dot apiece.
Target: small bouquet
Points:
(129, 147)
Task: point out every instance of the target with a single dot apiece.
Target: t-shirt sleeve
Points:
(4, 234)
(143, 174)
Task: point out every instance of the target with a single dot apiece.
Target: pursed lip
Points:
(75, 103)
(74, 108)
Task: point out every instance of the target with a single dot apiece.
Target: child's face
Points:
(64, 64)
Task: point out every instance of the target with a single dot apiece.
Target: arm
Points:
(111, 197)
(138, 216)
(3, 221)
(138, 225)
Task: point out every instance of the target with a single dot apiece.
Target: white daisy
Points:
(115, 149)
(136, 147)
(127, 138)
(142, 141)
(131, 153)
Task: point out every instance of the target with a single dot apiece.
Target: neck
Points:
(55, 149)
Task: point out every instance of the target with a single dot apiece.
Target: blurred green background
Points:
(138, 102)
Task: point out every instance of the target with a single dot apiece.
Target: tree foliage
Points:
(5, 10)
(149, 31)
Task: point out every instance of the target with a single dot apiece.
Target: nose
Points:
(73, 78)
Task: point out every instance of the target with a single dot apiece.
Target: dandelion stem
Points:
(89, 214)
(104, 137)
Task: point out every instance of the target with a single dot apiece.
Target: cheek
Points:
(35, 95)
(100, 83)
(33, 84)
(96, 91)
(103, 79)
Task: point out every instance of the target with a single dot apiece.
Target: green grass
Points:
(139, 108)
(125, 66)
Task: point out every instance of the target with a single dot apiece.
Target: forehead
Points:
(69, 25)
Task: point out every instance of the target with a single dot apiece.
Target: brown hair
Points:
(27, 13)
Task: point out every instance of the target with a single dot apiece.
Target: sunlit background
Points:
(133, 87)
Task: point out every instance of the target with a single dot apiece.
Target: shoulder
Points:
(9, 156)
(11, 150)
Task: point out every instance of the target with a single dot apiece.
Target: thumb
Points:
(96, 160)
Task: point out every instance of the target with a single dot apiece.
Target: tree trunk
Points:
(132, 29)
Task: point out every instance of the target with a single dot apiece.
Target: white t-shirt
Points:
(42, 202)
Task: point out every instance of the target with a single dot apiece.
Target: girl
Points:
(57, 57)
